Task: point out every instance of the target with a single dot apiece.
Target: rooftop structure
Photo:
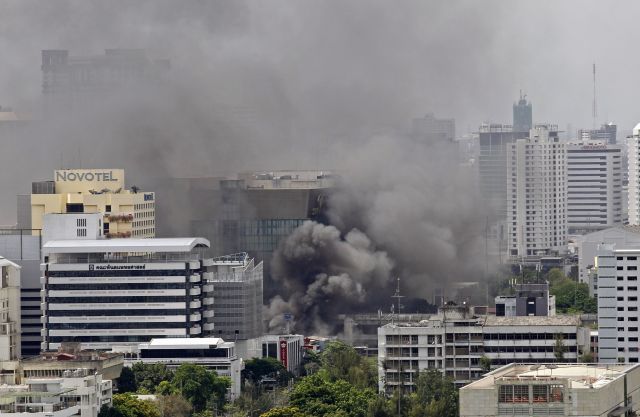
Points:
(553, 389)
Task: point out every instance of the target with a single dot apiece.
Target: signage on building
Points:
(115, 267)
(85, 175)
(148, 197)
(283, 352)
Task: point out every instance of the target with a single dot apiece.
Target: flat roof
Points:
(183, 244)
(184, 342)
(578, 375)
(561, 320)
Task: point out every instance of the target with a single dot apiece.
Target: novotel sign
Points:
(72, 176)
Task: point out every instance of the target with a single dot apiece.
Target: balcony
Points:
(208, 327)
(195, 304)
(194, 278)
(208, 314)
(207, 301)
(195, 291)
(195, 317)
(195, 330)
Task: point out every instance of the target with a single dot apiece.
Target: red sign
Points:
(283, 352)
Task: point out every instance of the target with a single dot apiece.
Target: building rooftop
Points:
(186, 244)
(5, 262)
(562, 320)
(186, 343)
(578, 375)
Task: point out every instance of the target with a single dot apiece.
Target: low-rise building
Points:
(529, 300)
(554, 389)
(211, 352)
(454, 341)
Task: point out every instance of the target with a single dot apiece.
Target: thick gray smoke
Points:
(404, 208)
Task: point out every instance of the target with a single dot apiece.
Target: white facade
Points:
(10, 330)
(123, 291)
(65, 226)
(633, 167)
(594, 189)
(537, 194)
(211, 352)
(581, 390)
(618, 325)
(453, 341)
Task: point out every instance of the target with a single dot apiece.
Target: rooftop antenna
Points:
(595, 102)
(398, 298)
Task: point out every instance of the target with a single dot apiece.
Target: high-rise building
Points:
(606, 133)
(536, 194)
(110, 292)
(633, 167)
(594, 186)
(70, 83)
(522, 115)
(126, 213)
(235, 283)
(9, 310)
(618, 334)
(433, 129)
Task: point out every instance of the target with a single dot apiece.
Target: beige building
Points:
(9, 310)
(127, 213)
(554, 390)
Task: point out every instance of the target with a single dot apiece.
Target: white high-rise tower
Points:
(633, 154)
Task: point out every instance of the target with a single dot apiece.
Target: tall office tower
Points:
(537, 194)
(617, 269)
(633, 169)
(594, 186)
(606, 133)
(522, 115)
(235, 284)
(70, 84)
(109, 292)
(9, 310)
(432, 129)
(126, 213)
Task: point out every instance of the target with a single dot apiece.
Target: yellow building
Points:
(127, 213)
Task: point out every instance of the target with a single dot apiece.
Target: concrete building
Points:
(10, 331)
(70, 84)
(537, 195)
(587, 246)
(554, 389)
(122, 291)
(286, 348)
(529, 300)
(633, 172)
(454, 340)
(617, 269)
(235, 283)
(594, 186)
(210, 352)
(69, 382)
(606, 133)
(126, 213)
(69, 226)
(522, 115)
(433, 129)
(23, 248)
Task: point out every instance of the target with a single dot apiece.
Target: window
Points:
(107, 208)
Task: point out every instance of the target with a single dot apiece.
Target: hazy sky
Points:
(345, 66)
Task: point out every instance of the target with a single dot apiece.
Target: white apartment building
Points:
(618, 325)
(581, 390)
(537, 194)
(594, 186)
(454, 340)
(122, 291)
(9, 310)
(211, 352)
(633, 167)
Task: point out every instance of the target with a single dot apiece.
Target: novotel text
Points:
(106, 176)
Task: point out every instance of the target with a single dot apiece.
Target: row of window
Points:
(118, 273)
(135, 325)
(116, 313)
(118, 286)
(109, 300)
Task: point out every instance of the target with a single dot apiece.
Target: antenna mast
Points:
(398, 298)
(595, 102)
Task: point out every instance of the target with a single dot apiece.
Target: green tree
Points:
(573, 297)
(127, 381)
(283, 412)
(485, 363)
(257, 369)
(559, 348)
(126, 405)
(341, 361)
(555, 276)
(381, 407)
(173, 406)
(316, 395)
(435, 396)
(198, 385)
(149, 376)
(587, 357)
